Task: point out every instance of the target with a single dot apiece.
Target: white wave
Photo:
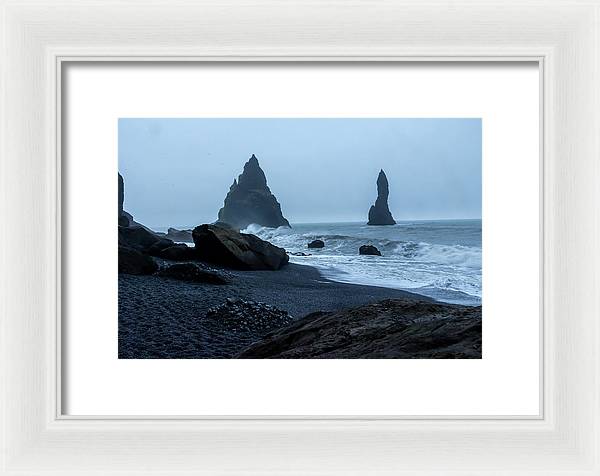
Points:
(449, 254)
(450, 272)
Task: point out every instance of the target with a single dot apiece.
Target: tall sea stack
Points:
(250, 201)
(379, 214)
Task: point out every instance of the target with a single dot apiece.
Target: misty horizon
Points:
(177, 172)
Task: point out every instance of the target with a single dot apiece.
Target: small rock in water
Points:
(369, 250)
(298, 253)
(316, 244)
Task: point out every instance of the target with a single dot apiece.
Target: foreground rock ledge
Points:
(390, 329)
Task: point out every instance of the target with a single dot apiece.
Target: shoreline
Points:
(165, 318)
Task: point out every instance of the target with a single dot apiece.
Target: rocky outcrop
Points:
(132, 261)
(380, 214)
(390, 329)
(179, 235)
(178, 252)
(369, 250)
(250, 201)
(193, 273)
(141, 239)
(124, 217)
(316, 244)
(226, 247)
(137, 245)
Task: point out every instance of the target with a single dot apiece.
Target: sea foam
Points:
(438, 259)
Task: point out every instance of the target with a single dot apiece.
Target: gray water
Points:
(440, 259)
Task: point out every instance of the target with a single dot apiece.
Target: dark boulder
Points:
(180, 235)
(142, 239)
(390, 329)
(369, 250)
(316, 244)
(162, 244)
(193, 273)
(123, 220)
(250, 200)
(178, 252)
(380, 214)
(227, 247)
(132, 261)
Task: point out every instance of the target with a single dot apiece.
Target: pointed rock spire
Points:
(380, 214)
(250, 200)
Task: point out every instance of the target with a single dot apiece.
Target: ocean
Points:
(440, 259)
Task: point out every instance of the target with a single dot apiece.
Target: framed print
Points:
(253, 238)
(437, 145)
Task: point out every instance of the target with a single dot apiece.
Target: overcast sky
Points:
(178, 171)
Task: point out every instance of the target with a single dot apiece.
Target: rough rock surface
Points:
(178, 252)
(179, 235)
(250, 201)
(394, 329)
(141, 239)
(238, 315)
(124, 217)
(132, 261)
(369, 250)
(227, 247)
(193, 273)
(316, 244)
(136, 246)
(380, 214)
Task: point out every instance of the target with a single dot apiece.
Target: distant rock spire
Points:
(250, 200)
(380, 214)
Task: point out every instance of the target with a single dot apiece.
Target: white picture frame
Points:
(38, 37)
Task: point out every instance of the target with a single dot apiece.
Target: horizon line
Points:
(398, 221)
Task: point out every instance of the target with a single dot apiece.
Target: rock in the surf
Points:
(316, 244)
(380, 214)
(369, 250)
(227, 247)
(250, 200)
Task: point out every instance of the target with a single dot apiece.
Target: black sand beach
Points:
(165, 318)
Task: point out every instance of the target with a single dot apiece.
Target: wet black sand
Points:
(162, 318)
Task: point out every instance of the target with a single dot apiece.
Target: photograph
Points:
(300, 238)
